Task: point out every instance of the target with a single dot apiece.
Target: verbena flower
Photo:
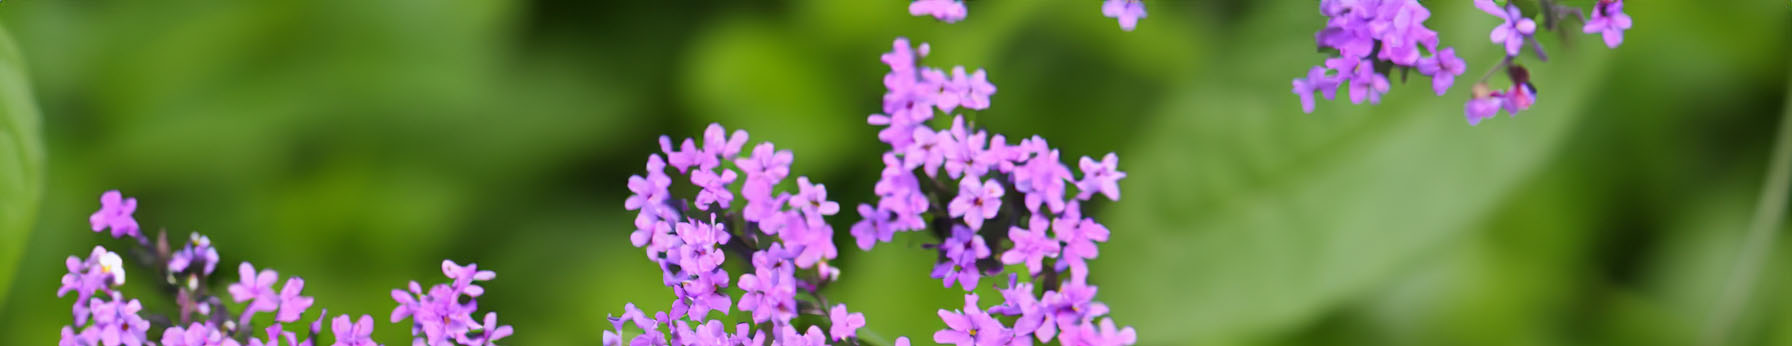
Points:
(1443, 69)
(443, 313)
(950, 11)
(115, 214)
(1609, 21)
(1370, 38)
(356, 332)
(256, 288)
(1031, 245)
(1515, 29)
(195, 335)
(101, 270)
(843, 324)
(1128, 12)
(487, 334)
(1100, 176)
(198, 250)
(971, 326)
(293, 305)
(977, 201)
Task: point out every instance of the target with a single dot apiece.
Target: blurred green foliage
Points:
(357, 143)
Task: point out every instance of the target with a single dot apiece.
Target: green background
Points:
(357, 143)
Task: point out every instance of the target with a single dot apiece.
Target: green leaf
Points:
(1259, 218)
(21, 160)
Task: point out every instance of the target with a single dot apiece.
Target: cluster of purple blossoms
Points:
(1128, 12)
(1371, 38)
(1514, 31)
(443, 315)
(103, 316)
(949, 11)
(1392, 31)
(784, 234)
(1012, 199)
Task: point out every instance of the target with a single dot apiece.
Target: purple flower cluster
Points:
(103, 316)
(1128, 12)
(1012, 199)
(1513, 32)
(949, 11)
(1370, 38)
(257, 288)
(198, 251)
(443, 315)
(784, 234)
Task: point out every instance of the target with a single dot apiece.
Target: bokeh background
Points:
(358, 143)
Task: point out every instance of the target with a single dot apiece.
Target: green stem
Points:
(1758, 243)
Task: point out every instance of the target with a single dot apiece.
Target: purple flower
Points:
(978, 91)
(1112, 336)
(273, 339)
(256, 287)
(86, 337)
(949, 11)
(971, 326)
(1481, 108)
(843, 324)
(717, 141)
(811, 243)
(464, 276)
(771, 288)
(1101, 176)
(359, 332)
(714, 187)
(1513, 31)
(928, 150)
(764, 170)
(1367, 84)
(115, 214)
(195, 335)
(1518, 98)
(952, 88)
(700, 253)
(812, 201)
(1400, 25)
(118, 323)
(873, 227)
(962, 251)
(1127, 11)
(1042, 177)
(1443, 69)
(1316, 81)
(293, 305)
(976, 201)
(198, 249)
(1079, 235)
(701, 294)
(651, 190)
(1610, 21)
(488, 333)
(963, 157)
(100, 270)
(1031, 245)
(787, 336)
